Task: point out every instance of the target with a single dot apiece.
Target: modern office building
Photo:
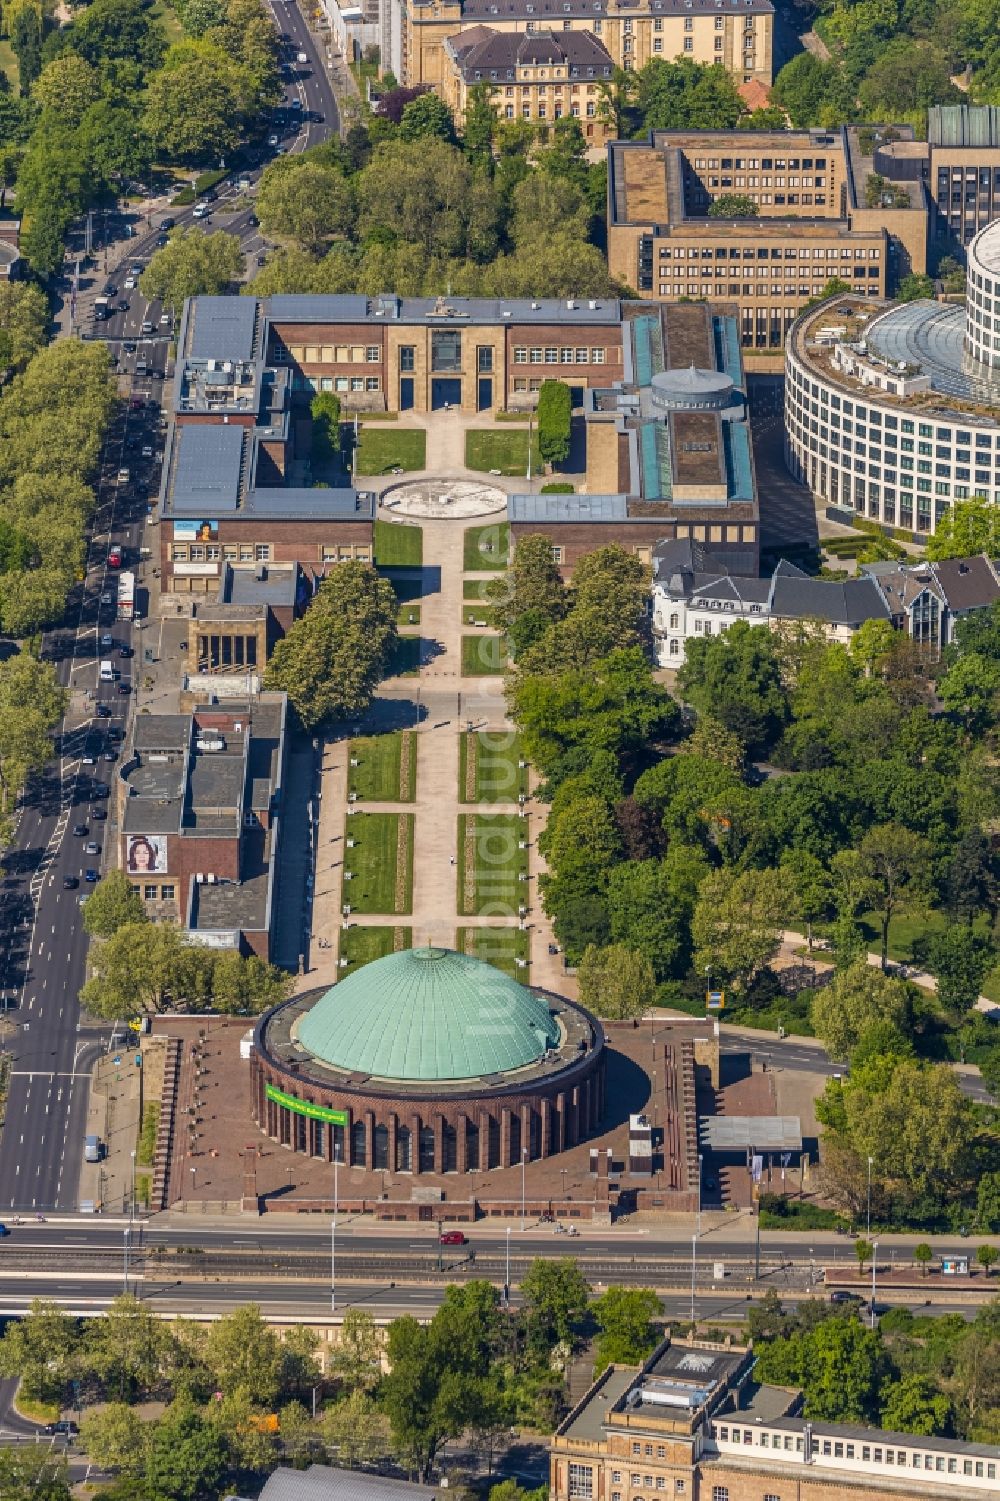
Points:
(199, 810)
(428, 1061)
(821, 213)
(963, 172)
(693, 1423)
(524, 71)
(738, 34)
(669, 453)
(887, 414)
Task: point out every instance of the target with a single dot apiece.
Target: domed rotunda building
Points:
(428, 1061)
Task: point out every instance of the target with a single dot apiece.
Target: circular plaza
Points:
(428, 1061)
(441, 500)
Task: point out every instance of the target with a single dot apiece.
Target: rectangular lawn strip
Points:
(486, 546)
(501, 947)
(381, 862)
(474, 613)
(475, 589)
(488, 767)
(361, 945)
(396, 544)
(381, 450)
(408, 613)
(386, 768)
(487, 448)
(489, 863)
(483, 656)
(405, 662)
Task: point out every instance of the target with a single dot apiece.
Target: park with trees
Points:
(235, 1398)
(178, 1411)
(790, 786)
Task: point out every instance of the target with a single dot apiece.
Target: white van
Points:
(107, 672)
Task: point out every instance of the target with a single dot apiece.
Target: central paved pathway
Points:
(440, 703)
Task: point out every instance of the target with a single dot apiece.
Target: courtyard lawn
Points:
(475, 589)
(478, 615)
(483, 656)
(387, 767)
(490, 862)
(486, 546)
(361, 945)
(501, 947)
(505, 450)
(383, 449)
(381, 862)
(398, 545)
(488, 770)
(408, 613)
(405, 662)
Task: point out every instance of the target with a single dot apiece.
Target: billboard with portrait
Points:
(196, 531)
(146, 854)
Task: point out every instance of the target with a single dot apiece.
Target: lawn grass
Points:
(382, 449)
(489, 863)
(8, 62)
(473, 614)
(501, 947)
(487, 449)
(361, 945)
(486, 546)
(397, 545)
(491, 773)
(387, 767)
(405, 661)
(381, 862)
(146, 1147)
(483, 656)
(408, 613)
(475, 588)
(169, 20)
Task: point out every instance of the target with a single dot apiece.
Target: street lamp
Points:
(868, 1227)
(126, 1245)
(874, 1267)
(131, 1213)
(333, 1226)
(506, 1285)
(699, 1192)
(694, 1253)
(194, 1177)
(524, 1160)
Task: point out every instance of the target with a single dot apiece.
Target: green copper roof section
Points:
(428, 1014)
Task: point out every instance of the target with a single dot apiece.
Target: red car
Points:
(115, 557)
(453, 1238)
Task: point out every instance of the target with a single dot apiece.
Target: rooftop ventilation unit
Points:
(210, 743)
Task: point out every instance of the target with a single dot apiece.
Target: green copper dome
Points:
(428, 1014)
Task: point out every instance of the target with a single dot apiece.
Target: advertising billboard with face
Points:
(146, 853)
(196, 531)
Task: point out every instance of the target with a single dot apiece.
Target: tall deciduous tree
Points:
(855, 1000)
(896, 862)
(616, 982)
(738, 922)
(531, 583)
(303, 201)
(192, 264)
(331, 660)
(113, 902)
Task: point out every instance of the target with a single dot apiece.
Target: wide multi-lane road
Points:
(67, 807)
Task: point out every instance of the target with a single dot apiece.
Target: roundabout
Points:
(442, 500)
